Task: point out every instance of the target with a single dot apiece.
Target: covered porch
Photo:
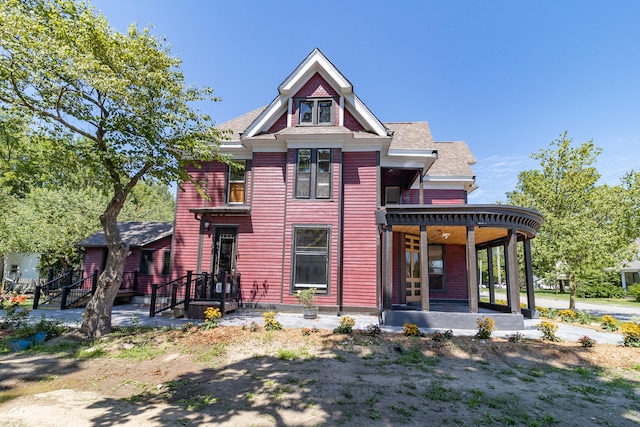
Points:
(462, 242)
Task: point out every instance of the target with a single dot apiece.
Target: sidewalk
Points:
(130, 315)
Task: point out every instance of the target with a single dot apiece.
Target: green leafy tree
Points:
(122, 97)
(584, 228)
(52, 220)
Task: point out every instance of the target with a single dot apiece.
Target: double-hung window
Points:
(236, 182)
(311, 258)
(313, 173)
(315, 112)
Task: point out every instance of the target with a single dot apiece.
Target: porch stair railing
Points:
(71, 289)
(179, 293)
(51, 291)
(79, 291)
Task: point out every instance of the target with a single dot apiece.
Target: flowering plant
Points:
(486, 327)
(307, 297)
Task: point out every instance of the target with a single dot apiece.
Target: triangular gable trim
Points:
(314, 62)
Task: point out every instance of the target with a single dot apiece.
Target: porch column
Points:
(623, 277)
(421, 197)
(387, 263)
(472, 270)
(491, 278)
(528, 274)
(513, 284)
(424, 268)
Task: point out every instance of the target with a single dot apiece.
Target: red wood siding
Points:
(438, 197)
(323, 212)
(280, 124)
(455, 273)
(360, 229)
(93, 261)
(351, 123)
(187, 229)
(260, 241)
(317, 87)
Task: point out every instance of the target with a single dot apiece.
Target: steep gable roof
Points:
(314, 63)
(132, 233)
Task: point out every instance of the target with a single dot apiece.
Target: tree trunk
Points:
(96, 319)
(572, 292)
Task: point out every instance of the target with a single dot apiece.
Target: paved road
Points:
(619, 312)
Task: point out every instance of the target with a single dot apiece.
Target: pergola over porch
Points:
(477, 227)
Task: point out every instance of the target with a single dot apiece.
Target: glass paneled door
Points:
(412, 268)
(225, 251)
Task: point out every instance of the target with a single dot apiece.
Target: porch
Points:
(408, 234)
(450, 315)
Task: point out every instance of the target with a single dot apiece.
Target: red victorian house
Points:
(372, 215)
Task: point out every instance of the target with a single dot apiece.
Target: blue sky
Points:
(507, 77)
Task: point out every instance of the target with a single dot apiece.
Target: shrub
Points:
(372, 330)
(411, 330)
(600, 285)
(587, 341)
(346, 325)
(631, 333)
(516, 338)
(442, 336)
(548, 330)
(270, 322)
(15, 317)
(602, 290)
(486, 326)
(609, 323)
(634, 291)
(585, 317)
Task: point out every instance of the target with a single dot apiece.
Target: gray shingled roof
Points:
(133, 233)
(410, 135)
(239, 124)
(454, 158)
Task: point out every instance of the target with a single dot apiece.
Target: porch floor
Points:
(450, 316)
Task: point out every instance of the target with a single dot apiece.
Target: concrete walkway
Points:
(130, 315)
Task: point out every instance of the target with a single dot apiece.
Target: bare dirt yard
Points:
(231, 376)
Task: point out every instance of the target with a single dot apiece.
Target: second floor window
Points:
(236, 180)
(313, 173)
(315, 112)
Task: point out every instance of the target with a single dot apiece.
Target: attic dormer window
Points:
(315, 112)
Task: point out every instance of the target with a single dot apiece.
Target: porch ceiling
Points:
(452, 235)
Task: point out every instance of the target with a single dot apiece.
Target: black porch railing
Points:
(52, 289)
(78, 290)
(195, 287)
(68, 288)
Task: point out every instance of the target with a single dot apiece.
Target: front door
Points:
(224, 256)
(412, 268)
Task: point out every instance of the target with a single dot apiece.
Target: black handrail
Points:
(172, 294)
(52, 289)
(78, 290)
(194, 287)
